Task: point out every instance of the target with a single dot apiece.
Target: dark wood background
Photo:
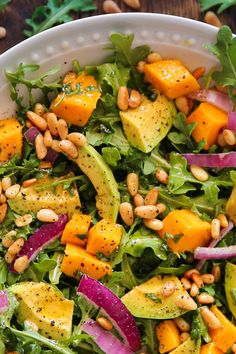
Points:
(13, 18)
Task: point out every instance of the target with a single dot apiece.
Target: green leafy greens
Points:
(223, 4)
(3, 4)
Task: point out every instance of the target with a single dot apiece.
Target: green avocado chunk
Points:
(231, 206)
(39, 196)
(188, 347)
(146, 125)
(95, 168)
(45, 306)
(146, 300)
(230, 286)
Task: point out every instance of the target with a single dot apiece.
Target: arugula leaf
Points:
(3, 4)
(55, 12)
(199, 328)
(111, 155)
(223, 4)
(20, 168)
(55, 273)
(149, 337)
(113, 76)
(129, 280)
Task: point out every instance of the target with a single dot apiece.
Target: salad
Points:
(118, 206)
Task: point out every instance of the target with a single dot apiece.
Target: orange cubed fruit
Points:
(210, 348)
(76, 229)
(11, 139)
(168, 336)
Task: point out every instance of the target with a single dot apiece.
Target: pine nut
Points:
(105, 323)
(3, 212)
(184, 336)
(9, 239)
(207, 278)
(12, 191)
(212, 19)
(197, 279)
(3, 32)
(229, 137)
(209, 318)
(153, 224)
(69, 148)
(37, 121)
(134, 99)
(3, 199)
(168, 289)
(205, 299)
(16, 246)
(189, 273)
(138, 200)
(62, 128)
(109, 7)
(186, 283)
(9, 258)
(182, 324)
(56, 146)
(6, 183)
(146, 211)
(31, 325)
(41, 149)
(47, 215)
(216, 272)
(199, 173)
(220, 140)
(132, 181)
(233, 348)
(194, 290)
(39, 109)
(28, 124)
(140, 66)
(23, 220)
(186, 302)
(45, 165)
(215, 229)
(47, 139)
(123, 98)
(199, 72)
(126, 213)
(21, 264)
(161, 208)
(135, 4)
(77, 138)
(52, 123)
(153, 57)
(151, 197)
(162, 176)
(223, 220)
(29, 182)
(181, 103)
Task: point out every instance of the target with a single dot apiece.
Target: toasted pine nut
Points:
(153, 57)
(220, 140)
(105, 323)
(215, 229)
(140, 66)
(216, 272)
(153, 224)
(189, 273)
(21, 264)
(32, 325)
(126, 213)
(181, 103)
(197, 279)
(77, 138)
(186, 283)
(3, 32)
(68, 148)
(16, 246)
(233, 348)
(186, 302)
(182, 324)
(134, 99)
(209, 318)
(146, 211)
(109, 7)
(162, 176)
(45, 165)
(132, 181)
(212, 19)
(62, 128)
(38, 121)
(47, 139)
(199, 72)
(199, 173)
(123, 98)
(41, 149)
(135, 4)
(3, 212)
(138, 200)
(151, 197)
(9, 239)
(39, 109)
(28, 124)
(168, 289)
(184, 336)
(29, 182)
(160, 208)
(207, 278)
(52, 123)
(223, 220)
(9, 258)
(229, 137)
(12, 191)
(205, 298)
(6, 183)
(3, 199)
(194, 290)
(56, 146)
(47, 215)
(23, 220)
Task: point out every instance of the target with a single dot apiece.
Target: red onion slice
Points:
(221, 160)
(206, 253)
(232, 121)
(105, 339)
(3, 301)
(218, 99)
(99, 295)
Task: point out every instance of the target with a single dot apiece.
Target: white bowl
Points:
(85, 40)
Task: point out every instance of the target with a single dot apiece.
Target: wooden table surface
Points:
(13, 18)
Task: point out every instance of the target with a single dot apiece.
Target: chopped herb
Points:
(153, 297)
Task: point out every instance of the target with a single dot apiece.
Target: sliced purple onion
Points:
(206, 253)
(41, 238)
(3, 301)
(221, 160)
(106, 341)
(218, 99)
(232, 121)
(51, 156)
(100, 296)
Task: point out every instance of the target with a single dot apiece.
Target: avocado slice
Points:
(146, 300)
(231, 206)
(146, 125)
(45, 306)
(93, 165)
(230, 286)
(35, 197)
(187, 347)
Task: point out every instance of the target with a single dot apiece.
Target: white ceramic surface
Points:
(85, 40)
